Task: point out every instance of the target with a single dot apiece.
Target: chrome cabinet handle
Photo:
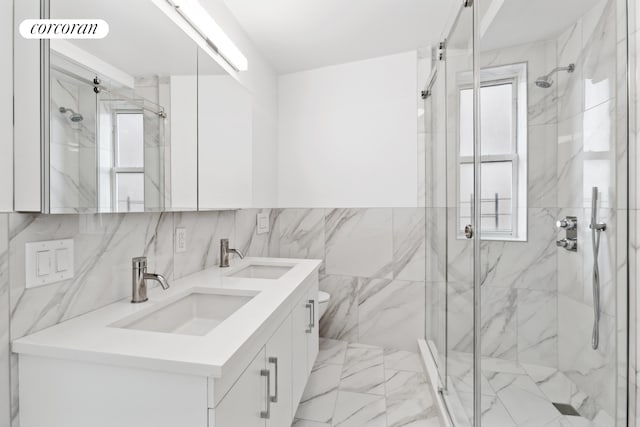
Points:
(313, 313)
(310, 314)
(274, 360)
(267, 414)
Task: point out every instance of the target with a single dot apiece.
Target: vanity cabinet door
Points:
(243, 404)
(300, 323)
(279, 359)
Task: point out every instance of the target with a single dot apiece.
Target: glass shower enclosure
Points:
(526, 214)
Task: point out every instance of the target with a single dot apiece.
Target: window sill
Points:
(496, 238)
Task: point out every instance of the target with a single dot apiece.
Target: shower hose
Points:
(595, 241)
(596, 231)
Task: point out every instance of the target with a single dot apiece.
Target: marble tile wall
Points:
(5, 409)
(519, 278)
(104, 246)
(588, 155)
(592, 152)
(374, 270)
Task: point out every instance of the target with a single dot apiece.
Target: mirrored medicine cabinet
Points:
(143, 120)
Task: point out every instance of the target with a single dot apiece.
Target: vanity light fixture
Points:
(200, 20)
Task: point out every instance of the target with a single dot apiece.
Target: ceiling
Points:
(521, 21)
(297, 35)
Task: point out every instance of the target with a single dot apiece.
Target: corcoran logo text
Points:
(64, 28)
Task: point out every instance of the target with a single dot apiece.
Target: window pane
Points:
(466, 194)
(130, 192)
(497, 195)
(496, 110)
(130, 140)
(466, 122)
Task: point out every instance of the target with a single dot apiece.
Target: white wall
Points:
(6, 107)
(347, 135)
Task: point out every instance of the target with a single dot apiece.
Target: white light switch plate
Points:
(262, 223)
(48, 262)
(181, 240)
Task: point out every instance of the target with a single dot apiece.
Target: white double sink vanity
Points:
(227, 347)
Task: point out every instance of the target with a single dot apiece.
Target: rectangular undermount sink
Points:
(255, 271)
(195, 314)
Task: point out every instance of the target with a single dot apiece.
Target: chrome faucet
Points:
(225, 251)
(139, 280)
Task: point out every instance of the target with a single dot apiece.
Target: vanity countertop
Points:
(93, 338)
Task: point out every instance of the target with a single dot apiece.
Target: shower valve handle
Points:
(568, 223)
(568, 244)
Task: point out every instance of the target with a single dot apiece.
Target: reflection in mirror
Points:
(123, 121)
(224, 138)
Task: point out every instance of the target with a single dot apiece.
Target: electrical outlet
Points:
(181, 240)
(262, 223)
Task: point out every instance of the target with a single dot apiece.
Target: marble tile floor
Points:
(515, 394)
(356, 385)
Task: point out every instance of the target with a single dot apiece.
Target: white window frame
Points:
(119, 170)
(516, 75)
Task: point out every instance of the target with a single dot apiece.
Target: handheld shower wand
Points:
(596, 230)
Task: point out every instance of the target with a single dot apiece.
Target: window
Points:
(503, 109)
(128, 168)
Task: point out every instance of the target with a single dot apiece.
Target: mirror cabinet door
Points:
(123, 133)
(224, 138)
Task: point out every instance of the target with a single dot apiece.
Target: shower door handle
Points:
(468, 231)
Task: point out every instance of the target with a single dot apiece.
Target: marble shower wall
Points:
(537, 305)
(519, 278)
(591, 153)
(519, 282)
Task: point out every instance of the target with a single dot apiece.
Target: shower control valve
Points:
(568, 244)
(568, 223)
(570, 226)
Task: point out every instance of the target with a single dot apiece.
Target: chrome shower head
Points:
(74, 117)
(545, 82)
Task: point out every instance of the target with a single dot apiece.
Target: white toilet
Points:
(323, 303)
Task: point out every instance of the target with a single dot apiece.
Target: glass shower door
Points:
(553, 136)
(435, 217)
(450, 221)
